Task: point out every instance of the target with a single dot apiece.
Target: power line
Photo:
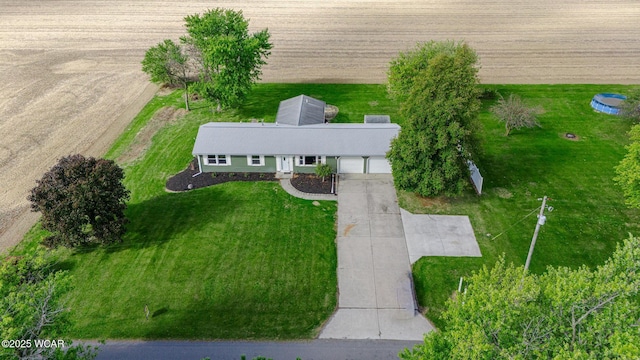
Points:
(516, 223)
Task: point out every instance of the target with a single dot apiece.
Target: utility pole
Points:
(541, 221)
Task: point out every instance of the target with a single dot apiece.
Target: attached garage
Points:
(378, 165)
(296, 142)
(351, 165)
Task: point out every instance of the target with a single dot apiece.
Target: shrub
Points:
(515, 114)
(323, 170)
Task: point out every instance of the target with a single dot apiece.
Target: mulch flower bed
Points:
(185, 181)
(311, 183)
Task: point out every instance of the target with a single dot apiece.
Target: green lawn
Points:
(233, 261)
(238, 260)
(589, 215)
(245, 260)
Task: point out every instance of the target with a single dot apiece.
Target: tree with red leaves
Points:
(82, 201)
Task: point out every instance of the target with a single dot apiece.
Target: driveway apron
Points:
(376, 298)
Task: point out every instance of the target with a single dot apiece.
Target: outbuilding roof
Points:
(277, 139)
(301, 110)
(377, 119)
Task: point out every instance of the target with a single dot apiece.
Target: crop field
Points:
(71, 78)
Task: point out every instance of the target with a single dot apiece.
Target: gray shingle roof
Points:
(377, 119)
(301, 110)
(278, 139)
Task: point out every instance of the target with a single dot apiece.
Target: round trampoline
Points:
(608, 103)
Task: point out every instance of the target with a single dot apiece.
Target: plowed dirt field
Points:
(71, 78)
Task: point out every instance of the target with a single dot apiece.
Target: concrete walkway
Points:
(286, 185)
(376, 299)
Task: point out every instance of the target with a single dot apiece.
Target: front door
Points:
(285, 165)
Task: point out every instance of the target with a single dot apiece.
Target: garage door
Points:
(351, 165)
(378, 165)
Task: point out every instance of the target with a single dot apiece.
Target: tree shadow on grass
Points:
(65, 265)
(169, 216)
(223, 274)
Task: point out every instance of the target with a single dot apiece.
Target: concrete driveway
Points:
(376, 299)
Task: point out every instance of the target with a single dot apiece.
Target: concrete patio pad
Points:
(438, 235)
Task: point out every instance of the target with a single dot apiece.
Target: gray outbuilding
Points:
(300, 110)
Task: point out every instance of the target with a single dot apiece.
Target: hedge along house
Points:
(298, 140)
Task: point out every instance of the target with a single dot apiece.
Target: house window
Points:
(255, 160)
(309, 160)
(219, 160)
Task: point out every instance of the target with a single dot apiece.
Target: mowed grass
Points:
(232, 261)
(241, 260)
(247, 261)
(589, 216)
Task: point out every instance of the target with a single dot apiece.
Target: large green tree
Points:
(436, 85)
(230, 58)
(82, 201)
(507, 313)
(628, 171)
(169, 63)
(31, 310)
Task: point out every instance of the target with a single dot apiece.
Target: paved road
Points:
(306, 350)
(376, 298)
